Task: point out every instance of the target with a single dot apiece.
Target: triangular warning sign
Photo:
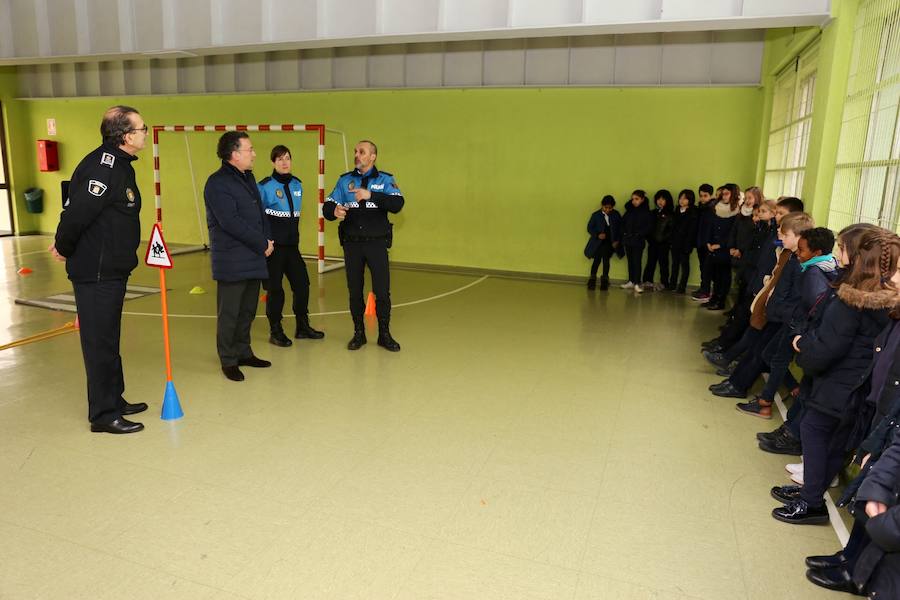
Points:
(157, 252)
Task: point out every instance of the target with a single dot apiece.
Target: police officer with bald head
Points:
(361, 201)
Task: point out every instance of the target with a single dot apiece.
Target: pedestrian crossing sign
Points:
(157, 252)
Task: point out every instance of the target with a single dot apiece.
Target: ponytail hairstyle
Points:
(873, 253)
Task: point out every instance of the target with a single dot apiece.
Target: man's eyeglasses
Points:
(145, 129)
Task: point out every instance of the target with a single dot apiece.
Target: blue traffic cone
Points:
(171, 406)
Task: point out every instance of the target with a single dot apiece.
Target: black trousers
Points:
(99, 307)
(720, 274)
(657, 253)
(752, 364)
(286, 261)
(357, 255)
(823, 440)
(681, 267)
(236, 303)
(737, 325)
(705, 279)
(604, 253)
(634, 255)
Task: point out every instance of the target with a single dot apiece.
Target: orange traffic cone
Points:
(370, 305)
(77, 325)
(24, 271)
(264, 298)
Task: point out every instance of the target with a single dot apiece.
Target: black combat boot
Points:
(359, 334)
(304, 331)
(277, 337)
(384, 336)
(592, 283)
(604, 283)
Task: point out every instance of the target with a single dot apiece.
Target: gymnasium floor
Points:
(532, 440)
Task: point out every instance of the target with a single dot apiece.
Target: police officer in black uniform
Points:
(361, 200)
(99, 231)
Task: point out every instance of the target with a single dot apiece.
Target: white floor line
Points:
(836, 521)
(320, 314)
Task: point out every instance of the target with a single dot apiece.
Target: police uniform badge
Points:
(279, 193)
(352, 186)
(107, 159)
(129, 193)
(96, 188)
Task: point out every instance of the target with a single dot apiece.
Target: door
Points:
(6, 220)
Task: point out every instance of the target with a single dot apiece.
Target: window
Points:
(866, 179)
(792, 107)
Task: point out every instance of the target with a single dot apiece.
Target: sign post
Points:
(158, 256)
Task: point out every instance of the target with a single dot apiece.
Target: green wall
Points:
(20, 159)
(494, 178)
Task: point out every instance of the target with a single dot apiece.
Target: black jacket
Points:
(100, 229)
(720, 232)
(705, 215)
(887, 402)
(784, 303)
(838, 353)
(741, 238)
(636, 225)
(684, 230)
(238, 229)
(663, 221)
(597, 225)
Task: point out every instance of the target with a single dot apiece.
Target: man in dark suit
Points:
(240, 241)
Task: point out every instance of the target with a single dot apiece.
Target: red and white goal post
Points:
(317, 127)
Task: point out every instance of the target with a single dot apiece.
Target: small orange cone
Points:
(264, 297)
(370, 305)
(25, 271)
(77, 325)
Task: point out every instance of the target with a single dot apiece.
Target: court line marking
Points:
(837, 523)
(327, 313)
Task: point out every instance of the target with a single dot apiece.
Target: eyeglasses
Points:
(145, 129)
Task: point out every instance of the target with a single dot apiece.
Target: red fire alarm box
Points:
(48, 155)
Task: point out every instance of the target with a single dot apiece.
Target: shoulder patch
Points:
(265, 181)
(96, 188)
(107, 159)
(386, 173)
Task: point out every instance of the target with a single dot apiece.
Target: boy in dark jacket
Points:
(803, 290)
(605, 229)
(636, 226)
(705, 205)
(684, 236)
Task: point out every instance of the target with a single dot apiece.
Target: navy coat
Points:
(838, 353)
(238, 229)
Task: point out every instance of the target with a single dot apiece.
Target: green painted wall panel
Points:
(494, 178)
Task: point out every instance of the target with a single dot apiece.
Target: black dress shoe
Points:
(784, 443)
(785, 493)
(387, 342)
(799, 512)
(277, 338)
(726, 371)
(714, 306)
(834, 578)
(763, 436)
(233, 373)
(133, 409)
(716, 358)
(305, 332)
(120, 425)
(727, 390)
(826, 562)
(254, 361)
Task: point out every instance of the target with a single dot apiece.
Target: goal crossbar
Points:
(315, 127)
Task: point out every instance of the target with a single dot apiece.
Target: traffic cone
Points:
(171, 408)
(370, 305)
(197, 290)
(24, 271)
(77, 324)
(264, 297)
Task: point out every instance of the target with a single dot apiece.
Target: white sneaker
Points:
(627, 286)
(638, 289)
(794, 468)
(798, 479)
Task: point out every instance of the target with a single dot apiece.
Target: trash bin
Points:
(34, 200)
